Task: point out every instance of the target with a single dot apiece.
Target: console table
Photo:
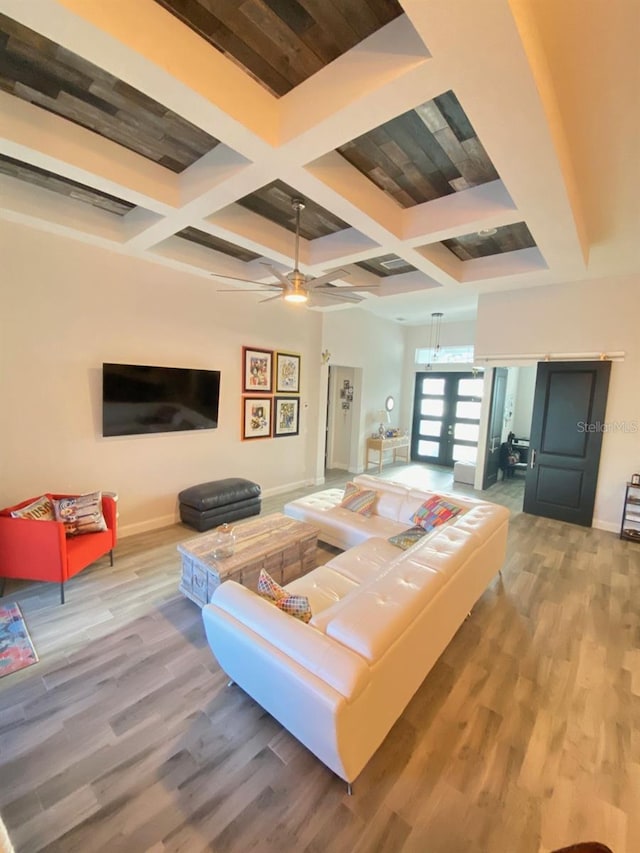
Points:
(282, 546)
(379, 445)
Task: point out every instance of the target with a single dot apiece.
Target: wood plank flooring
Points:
(524, 737)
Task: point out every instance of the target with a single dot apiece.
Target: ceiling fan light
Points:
(296, 292)
(295, 296)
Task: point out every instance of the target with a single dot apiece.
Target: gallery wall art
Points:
(265, 374)
(258, 370)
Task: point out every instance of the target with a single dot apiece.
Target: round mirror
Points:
(389, 403)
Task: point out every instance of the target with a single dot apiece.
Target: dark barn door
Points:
(566, 437)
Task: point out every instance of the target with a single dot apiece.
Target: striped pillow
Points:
(294, 605)
(435, 511)
(359, 500)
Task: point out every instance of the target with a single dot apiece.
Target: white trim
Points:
(144, 526)
(599, 524)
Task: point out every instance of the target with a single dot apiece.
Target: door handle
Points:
(532, 463)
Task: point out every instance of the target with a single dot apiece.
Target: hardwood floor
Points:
(524, 737)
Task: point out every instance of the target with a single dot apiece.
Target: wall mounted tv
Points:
(138, 399)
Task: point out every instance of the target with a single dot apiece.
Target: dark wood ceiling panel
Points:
(217, 244)
(274, 203)
(57, 184)
(386, 265)
(281, 43)
(424, 154)
(508, 238)
(40, 71)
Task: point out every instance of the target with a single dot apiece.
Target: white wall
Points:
(599, 316)
(358, 339)
(509, 402)
(65, 307)
(523, 409)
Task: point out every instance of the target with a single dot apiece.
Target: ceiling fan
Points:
(296, 286)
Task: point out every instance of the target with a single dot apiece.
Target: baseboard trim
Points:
(145, 526)
(610, 526)
(288, 487)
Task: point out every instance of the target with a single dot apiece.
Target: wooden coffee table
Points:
(284, 547)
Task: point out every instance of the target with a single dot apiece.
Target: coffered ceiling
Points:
(443, 149)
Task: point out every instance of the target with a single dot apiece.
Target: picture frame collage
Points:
(270, 393)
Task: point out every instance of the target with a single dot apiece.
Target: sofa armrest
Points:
(110, 512)
(39, 545)
(343, 670)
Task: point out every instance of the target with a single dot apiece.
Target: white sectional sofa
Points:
(381, 618)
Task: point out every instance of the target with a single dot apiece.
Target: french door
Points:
(446, 417)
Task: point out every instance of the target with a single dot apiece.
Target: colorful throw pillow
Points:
(408, 537)
(294, 605)
(81, 514)
(359, 500)
(39, 510)
(434, 511)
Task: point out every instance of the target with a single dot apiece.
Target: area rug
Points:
(16, 648)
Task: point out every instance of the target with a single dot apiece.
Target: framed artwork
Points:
(256, 421)
(287, 373)
(258, 370)
(287, 416)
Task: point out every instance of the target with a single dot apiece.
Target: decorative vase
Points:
(224, 542)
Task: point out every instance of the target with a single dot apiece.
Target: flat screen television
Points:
(138, 399)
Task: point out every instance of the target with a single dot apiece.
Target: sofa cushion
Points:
(434, 511)
(80, 514)
(370, 621)
(322, 587)
(365, 560)
(408, 537)
(294, 605)
(41, 509)
(359, 500)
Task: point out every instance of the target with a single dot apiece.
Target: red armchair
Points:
(39, 550)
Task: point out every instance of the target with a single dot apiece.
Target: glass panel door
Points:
(446, 417)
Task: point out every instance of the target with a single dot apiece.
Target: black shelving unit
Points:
(630, 526)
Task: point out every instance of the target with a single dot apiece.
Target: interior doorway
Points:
(343, 418)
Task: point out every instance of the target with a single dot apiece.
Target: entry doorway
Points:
(446, 417)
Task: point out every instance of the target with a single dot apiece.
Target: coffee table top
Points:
(262, 536)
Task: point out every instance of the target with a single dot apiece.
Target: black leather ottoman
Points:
(210, 504)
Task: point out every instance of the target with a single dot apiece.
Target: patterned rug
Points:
(16, 648)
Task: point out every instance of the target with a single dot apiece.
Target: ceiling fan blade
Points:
(248, 290)
(353, 288)
(245, 280)
(271, 298)
(325, 279)
(331, 294)
(285, 281)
